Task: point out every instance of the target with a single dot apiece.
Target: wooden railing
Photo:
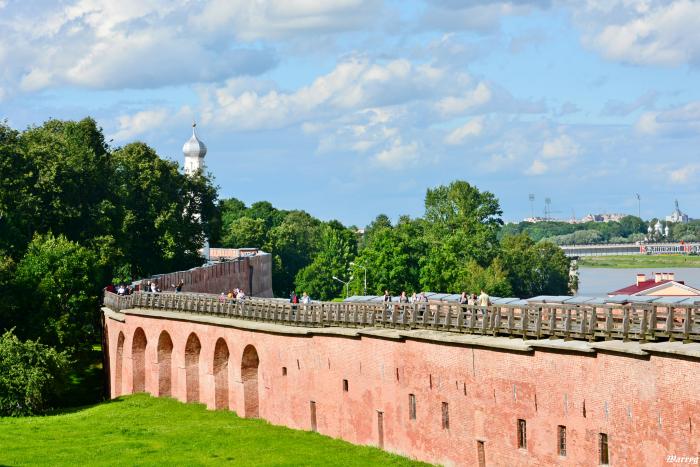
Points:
(631, 321)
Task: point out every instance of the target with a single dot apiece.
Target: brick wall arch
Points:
(221, 358)
(249, 377)
(138, 360)
(192, 351)
(119, 364)
(165, 366)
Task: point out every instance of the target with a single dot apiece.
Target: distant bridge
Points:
(576, 251)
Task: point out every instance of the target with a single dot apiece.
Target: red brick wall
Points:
(255, 271)
(649, 407)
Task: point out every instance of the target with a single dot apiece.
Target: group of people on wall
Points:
(305, 299)
(482, 299)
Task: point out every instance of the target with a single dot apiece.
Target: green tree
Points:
(245, 232)
(534, 268)
(52, 178)
(293, 244)
(32, 376)
(391, 256)
(337, 249)
(57, 288)
(462, 224)
(492, 280)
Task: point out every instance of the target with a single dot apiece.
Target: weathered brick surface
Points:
(253, 274)
(649, 407)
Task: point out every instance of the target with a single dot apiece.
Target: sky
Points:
(352, 108)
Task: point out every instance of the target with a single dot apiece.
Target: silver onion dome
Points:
(194, 147)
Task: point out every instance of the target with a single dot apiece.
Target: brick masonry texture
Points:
(253, 274)
(649, 407)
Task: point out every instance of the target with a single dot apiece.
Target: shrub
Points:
(32, 375)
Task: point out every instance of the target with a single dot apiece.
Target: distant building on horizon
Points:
(678, 216)
(605, 217)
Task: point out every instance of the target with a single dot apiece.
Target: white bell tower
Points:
(194, 151)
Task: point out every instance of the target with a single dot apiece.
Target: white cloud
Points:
(562, 147)
(129, 126)
(354, 85)
(251, 20)
(679, 121)
(473, 127)
(107, 44)
(643, 32)
(474, 98)
(480, 16)
(398, 156)
(647, 123)
(537, 168)
(685, 174)
(556, 154)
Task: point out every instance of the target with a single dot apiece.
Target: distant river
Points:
(600, 281)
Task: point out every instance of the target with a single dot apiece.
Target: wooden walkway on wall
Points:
(630, 321)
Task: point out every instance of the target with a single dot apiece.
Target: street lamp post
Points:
(352, 263)
(347, 285)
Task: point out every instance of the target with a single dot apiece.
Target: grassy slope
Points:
(640, 261)
(143, 430)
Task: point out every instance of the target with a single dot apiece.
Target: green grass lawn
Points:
(144, 430)
(640, 261)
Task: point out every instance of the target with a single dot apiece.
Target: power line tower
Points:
(547, 208)
(531, 197)
(639, 205)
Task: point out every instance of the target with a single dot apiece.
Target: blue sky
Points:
(351, 108)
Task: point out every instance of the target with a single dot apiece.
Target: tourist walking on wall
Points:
(484, 299)
(387, 296)
(305, 299)
(403, 298)
(463, 299)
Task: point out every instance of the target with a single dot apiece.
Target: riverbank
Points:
(640, 261)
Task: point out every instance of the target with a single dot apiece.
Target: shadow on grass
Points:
(78, 408)
(85, 381)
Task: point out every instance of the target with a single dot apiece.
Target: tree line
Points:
(457, 245)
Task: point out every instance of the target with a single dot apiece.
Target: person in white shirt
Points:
(484, 299)
(305, 299)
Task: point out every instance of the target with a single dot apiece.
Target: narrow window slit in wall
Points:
(345, 385)
(561, 445)
(397, 374)
(522, 434)
(603, 457)
(481, 453)
(284, 371)
(412, 406)
(298, 366)
(584, 408)
(312, 408)
(445, 416)
(430, 377)
(380, 428)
